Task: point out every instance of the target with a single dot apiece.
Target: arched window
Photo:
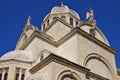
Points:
(17, 76)
(63, 18)
(5, 76)
(43, 27)
(92, 32)
(76, 23)
(20, 74)
(23, 76)
(68, 77)
(47, 22)
(96, 62)
(71, 21)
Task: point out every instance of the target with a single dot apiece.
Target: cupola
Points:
(64, 13)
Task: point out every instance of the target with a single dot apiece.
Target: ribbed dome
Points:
(64, 9)
(17, 55)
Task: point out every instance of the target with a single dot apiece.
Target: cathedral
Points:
(66, 48)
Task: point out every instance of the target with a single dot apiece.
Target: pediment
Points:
(58, 30)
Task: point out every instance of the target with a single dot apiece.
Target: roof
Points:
(63, 9)
(17, 55)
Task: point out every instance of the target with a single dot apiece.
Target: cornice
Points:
(57, 59)
(60, 60)
(74, 31)
(10, 60)
(96, 76)
(38, 34)
(95, 40)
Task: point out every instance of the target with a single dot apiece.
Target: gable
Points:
(58, 30)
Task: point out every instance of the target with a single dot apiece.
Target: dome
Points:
(63, 9)
(17, 55)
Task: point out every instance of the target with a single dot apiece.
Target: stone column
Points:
(20, 74)
(74, 23)
(3, 73)
(11, 73)
(68, 19)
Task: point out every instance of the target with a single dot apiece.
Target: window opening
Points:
(92, 32)
(47, 22)
(5, 76)
(43, 27)
(71, 21)
(22, 77)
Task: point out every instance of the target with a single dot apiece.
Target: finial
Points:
(28, 20)
(62, 4)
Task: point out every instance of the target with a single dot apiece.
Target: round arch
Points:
(68, 73)
(99, 58)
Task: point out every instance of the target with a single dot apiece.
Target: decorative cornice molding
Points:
(13, 60)
(74, 31)
(96, 76)
(38, 34)
(54, 58)
(57, 59)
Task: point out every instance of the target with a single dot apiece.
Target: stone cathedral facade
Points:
(66, 48)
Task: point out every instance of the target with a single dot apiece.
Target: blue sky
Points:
(14, 13)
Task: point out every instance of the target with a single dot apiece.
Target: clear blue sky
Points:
(14, 13)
